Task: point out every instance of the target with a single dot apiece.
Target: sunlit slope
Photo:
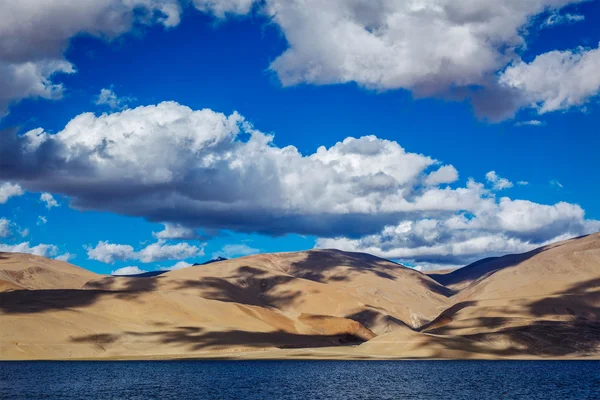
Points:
(544, 303)
(26, 271)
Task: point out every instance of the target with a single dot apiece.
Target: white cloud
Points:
(522, 183)
(427, 266)
(204, 176)
(365, 193)
(130, 270)
(34, 35)
(556, 18)
(558, 80)
(179, 265)
(431, 47)
(8, 190)
(109, 252)
(4, 227)
(45, 250)
(7, 228)
(49, 200)
(533, 122)
(108, 98)
(220, 8)
(446, 174)
(22, 79)
(41, 220)
(176, 231)
(497, 182)
(160, 251)
(235, 250)
(65, 257)
(507, 227)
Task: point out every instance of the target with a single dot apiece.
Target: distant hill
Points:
(148, 274)
(214, 260)
(310, 304)
(151, 274)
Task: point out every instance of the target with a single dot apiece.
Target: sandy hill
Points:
(319, 303)
(25, 271)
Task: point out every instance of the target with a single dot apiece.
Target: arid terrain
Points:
(312, 304)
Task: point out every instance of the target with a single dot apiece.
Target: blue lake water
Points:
(301, 380)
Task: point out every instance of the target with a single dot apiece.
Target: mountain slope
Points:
(26, 271)
(545, 303)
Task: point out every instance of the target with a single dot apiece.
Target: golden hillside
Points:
(319, 303)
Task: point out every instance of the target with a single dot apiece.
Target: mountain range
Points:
(310, 304)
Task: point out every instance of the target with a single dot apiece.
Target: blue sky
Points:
(227, 63)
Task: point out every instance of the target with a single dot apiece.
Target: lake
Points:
(128, 380)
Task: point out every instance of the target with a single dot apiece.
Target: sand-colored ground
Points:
(313, 304)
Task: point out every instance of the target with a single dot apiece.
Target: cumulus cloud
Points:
(130, 270)
(34, 35)
(5, 227)
(235, 250)
(213, 171)
(45, 250)
(8, 228)
(176, 231)
(49, 200)
(203, 175)
(19, 80)
(509, 226)
(430, 47)
(108, 98)
(179, 265)
(558, 80)
(108, 253)
(65, 257)
(497, 182)
(8, 190)
(160, 251)
(446, 174)
(448, 48)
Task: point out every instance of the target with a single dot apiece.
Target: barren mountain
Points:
(319, 303)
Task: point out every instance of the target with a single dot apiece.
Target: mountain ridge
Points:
(322, 303)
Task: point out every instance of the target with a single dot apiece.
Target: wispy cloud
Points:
(556, 184)
(533, 122)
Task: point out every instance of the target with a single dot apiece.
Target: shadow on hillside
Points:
(571, 326)
(446, 316)
(489, 266)
(124, 287)
(36, 301)
(541, 338)
(585, 297)
(318, 262)
(371, 318)
(197, 339)
(249, 285)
